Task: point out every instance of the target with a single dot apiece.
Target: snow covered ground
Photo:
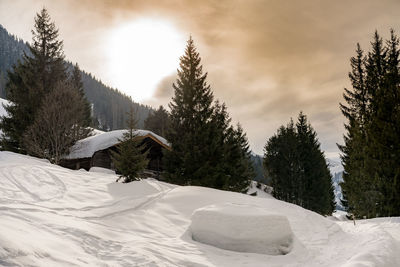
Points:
(51, 216)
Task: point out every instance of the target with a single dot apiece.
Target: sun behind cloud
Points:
(143, 52)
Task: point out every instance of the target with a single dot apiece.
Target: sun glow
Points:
(142, 53)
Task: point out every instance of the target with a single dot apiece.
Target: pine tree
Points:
(158, 121)
(131, 155)
(191, 110)
(31, 79)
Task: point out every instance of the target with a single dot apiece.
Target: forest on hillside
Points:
(110, 106)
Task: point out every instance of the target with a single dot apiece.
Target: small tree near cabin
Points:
(130, 158)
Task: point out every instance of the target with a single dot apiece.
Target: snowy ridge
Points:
(59, 217)
(85, 148)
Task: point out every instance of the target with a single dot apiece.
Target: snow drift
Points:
(242, 228)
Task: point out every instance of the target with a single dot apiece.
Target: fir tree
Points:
(31, 79)
(131, 155)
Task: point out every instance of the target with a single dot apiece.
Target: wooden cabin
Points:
(95, 151)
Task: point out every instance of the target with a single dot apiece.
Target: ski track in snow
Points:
(51, 216)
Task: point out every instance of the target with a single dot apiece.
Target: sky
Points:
(267, 60)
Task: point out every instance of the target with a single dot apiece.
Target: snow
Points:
(259, 190)
(52, 216)
(3, 111)
(101, 170)
(101, 140)
(3, 103)
(242, 228)
(336, 169)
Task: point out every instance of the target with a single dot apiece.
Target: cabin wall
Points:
(102, 159)
(76, 164)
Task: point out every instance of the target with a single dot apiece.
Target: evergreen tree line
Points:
(48, 111)
(206, 150)
(109, 106)
(371, 149)
(297, 167)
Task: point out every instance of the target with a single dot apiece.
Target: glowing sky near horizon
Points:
(141, 53)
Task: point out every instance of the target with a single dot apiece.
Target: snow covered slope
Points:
(51, 216)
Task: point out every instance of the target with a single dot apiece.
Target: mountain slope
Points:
(110, 105)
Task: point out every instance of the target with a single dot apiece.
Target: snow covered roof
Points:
(85, 148)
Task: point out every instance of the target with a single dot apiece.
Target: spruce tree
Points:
(241, 169)
(281, 163)
(315, 181)
(298, 169)
(191, 110)
(372, 143)
(131, 155)
(31, 79)
(206, 149)
(353, 151)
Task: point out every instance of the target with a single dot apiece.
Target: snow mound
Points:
(85, 148)
(242, 228)
(137, 189)
(102, 170)
(260, 190)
